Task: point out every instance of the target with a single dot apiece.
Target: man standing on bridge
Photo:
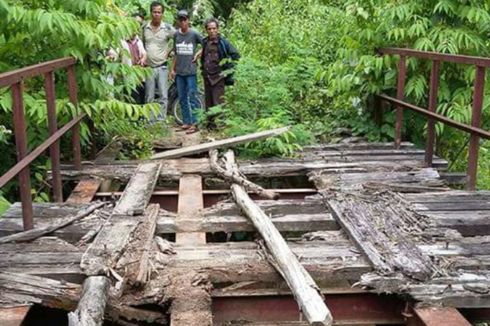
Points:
(156, 37)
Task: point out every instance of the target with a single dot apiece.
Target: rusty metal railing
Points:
(15, 80)
(474, 129)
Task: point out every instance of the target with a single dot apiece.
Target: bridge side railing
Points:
(474, 129)
(15, 79)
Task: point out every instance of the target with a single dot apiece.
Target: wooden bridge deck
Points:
(436, 252)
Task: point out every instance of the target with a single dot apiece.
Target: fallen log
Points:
(287, 264)
(36, 233)
(91, 307)
(201, 148)
(235, 176)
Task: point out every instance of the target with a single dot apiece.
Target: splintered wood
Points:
(383, 228)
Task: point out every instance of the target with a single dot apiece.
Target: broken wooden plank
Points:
(426, 177)
(462, 291)
(138, 191)
(134, 263)
(301, 283)
(22, 288)
(91, 307)
(38, 232)
(201, 148)
(191, 203)
(384, 229)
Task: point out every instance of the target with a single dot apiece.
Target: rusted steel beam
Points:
(54, 150)
(355, 308)
(475, 122)
(24, 163)
(455, 58)
(72, 88)
(436, 316)
(16, 76)
(21, 145)
(431, 134)
(400, 94)
(437, 117)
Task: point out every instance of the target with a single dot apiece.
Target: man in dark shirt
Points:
(216, 48)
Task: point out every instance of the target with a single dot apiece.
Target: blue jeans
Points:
(188, 98)
(158, 79)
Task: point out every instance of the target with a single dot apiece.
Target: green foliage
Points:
(4, 204)
(37, 31)
(324, 56)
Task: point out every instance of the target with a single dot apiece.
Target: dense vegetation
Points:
(307, 63)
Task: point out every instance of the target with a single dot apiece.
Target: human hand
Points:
(171, 76)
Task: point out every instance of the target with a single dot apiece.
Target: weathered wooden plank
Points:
(191, 203)
(357, 146)
(38, 232)
(202, 148)
(133, 264)
(138, 191)
(420, 177)
(383, 228)
(453, 206)
(24, 288)
(13, 316)
(462, 291)
(45, 210)
(84, 191)
(287, 215)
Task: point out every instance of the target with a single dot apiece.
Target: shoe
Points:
(192, 130)
(185, 127)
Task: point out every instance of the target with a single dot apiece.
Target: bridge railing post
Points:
(400, 95)
(21, 146)
(431, 134)
(475, 122)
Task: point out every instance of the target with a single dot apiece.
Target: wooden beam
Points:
(38, 232)
(191, 300)
(13, 316)
(202, 148)
(84, 192)
(190, 207)
(301, 283)
(137, 193)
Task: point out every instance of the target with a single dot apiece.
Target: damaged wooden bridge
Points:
(348, 233)
(382, 239)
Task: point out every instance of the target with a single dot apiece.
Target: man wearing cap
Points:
(184, 69)
(156, 37)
